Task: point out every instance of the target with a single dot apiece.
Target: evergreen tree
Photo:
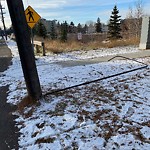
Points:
(71, 27)
(85, 28)
(114, 24)
(64, 31)
(53, 31)
(98, 26)
(79, 28)
(72, 24)
(40, 30)
(58, 28)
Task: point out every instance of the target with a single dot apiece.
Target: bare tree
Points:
(133, 21)
(139, 9)
(139, 12)
(130, 13)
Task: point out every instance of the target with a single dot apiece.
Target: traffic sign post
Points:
(32, 18)
(26, 53)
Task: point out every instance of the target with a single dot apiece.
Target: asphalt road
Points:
(8, 131)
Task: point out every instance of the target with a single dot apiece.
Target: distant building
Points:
(92, 28)
(104, 28)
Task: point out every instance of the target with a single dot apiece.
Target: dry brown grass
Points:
(56, 46)
(123, 42)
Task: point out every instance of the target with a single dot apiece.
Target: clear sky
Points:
(79, 11)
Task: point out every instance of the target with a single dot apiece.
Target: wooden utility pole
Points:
(17, 14)
(2, 15)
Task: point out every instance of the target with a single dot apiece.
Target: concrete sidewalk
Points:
(140, 54)
(8, 131)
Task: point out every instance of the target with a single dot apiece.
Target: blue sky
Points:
(80, 11)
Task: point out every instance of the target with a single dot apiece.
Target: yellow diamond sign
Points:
(32, 16)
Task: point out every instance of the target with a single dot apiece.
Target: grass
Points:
(56, 46)
(123, 42)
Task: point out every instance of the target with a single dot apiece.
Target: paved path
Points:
(8, 132)
(140, 54)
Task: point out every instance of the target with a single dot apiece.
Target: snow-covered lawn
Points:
(109, 114)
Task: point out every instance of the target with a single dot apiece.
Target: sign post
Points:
(26, 53)
(32, 18)
(80, 36)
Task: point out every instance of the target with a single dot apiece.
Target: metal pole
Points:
(23, 40)
(32, 42)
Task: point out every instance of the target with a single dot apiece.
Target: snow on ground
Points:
(109, 114)
(76, 55)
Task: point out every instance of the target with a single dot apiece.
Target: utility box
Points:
(145, 33)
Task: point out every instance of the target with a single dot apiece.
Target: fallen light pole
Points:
(103, 78)
(26, 53)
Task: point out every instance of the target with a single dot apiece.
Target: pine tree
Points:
(64, 31)
(85, 29)
(79, 28)
(114, 24)
(41, 30)
(53, 31)
(58, 28)
(71, 27)
(98, 26)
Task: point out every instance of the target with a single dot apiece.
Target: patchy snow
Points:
(76, 55)
(109, 114)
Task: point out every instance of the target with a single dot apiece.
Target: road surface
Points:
(8, 131)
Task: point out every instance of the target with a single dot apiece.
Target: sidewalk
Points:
(8, 132)
(140, 54)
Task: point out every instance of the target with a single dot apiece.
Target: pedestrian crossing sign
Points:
(32, 16)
